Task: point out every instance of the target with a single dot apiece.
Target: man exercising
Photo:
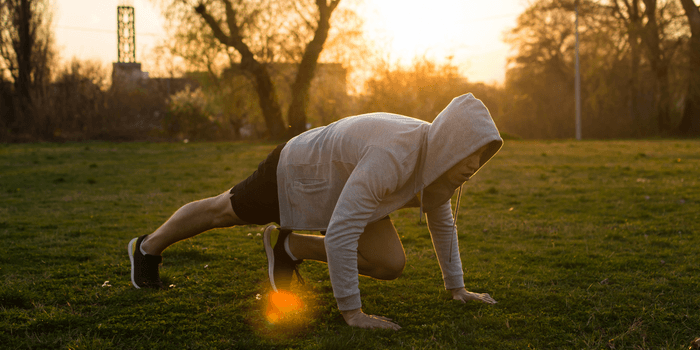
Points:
(344, 180)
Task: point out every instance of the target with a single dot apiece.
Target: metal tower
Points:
(126, 35)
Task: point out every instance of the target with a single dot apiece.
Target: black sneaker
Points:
(279, 264)
(144, 268)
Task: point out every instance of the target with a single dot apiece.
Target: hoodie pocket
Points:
(311, 186)
(312, 202)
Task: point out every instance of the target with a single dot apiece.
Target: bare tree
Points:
(296, 115)
(652, 29)
(630, 65)
(26, 53)
(257, 35)
(632, 17)
(690, 124)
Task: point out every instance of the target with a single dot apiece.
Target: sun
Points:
(470, 32)
(415, 27)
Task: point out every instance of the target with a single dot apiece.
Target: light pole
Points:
(577, 83)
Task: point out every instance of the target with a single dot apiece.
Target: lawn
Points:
(585, 245)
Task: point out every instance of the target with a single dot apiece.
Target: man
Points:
(344, 180)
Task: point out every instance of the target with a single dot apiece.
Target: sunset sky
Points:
(471, 31)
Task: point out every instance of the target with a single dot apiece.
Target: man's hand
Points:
(357, 318)
(463, 295)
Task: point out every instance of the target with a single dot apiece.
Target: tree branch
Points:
(305, 73)
(627, 4)
(616, 10)
(303, 17)
(231, 22)
(213, 24)
(333, 5)
(325, 8)
(693, 13)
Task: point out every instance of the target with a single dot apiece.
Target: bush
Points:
(78, 104)
(188, 117)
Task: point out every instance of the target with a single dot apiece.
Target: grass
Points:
(586, 245)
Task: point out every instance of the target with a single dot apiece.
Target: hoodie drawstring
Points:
(420, 215)
(454, 216)
(420, 162)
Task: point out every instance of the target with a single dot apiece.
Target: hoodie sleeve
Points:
(374, 177)
(440, 224)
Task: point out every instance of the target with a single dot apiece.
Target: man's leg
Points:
(379, 251)
(190, 220)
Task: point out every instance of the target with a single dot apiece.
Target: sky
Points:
(471, 31)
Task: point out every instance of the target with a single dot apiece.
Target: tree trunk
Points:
(690, 124)
(633, 21)
(634, 81)
(7, 111)
(659, 64)
(664, 97)
(296, 115)
(267, 95)
(23, 50)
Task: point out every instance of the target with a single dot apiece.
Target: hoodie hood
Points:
(462, 128)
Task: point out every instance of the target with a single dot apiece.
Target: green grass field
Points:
(585, 245)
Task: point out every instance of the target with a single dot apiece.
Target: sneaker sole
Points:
(270, 255)
(130, 248)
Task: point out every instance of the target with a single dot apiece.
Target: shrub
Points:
(189, 116)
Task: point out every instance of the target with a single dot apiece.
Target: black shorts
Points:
(254, 200)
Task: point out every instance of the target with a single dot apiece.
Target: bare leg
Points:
(191, 220)
(379, 251)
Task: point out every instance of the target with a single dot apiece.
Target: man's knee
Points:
(222, 211)
(391, 269)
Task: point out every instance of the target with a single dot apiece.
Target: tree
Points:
(652, 30)
(421, 90)
(192, 51)
(690, 124)
(305, 73)
(659, 59)
(26, 54)
(629, 68)
(258, 34)
(632, 17)
(540, 77)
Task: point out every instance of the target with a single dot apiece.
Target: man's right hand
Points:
(357, 318)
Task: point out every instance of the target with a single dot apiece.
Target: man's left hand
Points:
(463, 295)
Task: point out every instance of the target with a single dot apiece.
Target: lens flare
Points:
(283, 314)
(282, 305)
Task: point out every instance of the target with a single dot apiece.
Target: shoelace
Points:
(296, 271)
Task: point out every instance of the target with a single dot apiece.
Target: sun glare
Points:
(468, 31)
(416, 27)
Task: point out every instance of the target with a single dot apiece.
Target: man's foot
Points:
(279, 264)
(144, 267)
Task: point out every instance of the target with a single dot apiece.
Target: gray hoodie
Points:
(340, 177)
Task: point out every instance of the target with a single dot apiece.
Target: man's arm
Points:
(374, 177)
(444, 237)
(445, 242)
